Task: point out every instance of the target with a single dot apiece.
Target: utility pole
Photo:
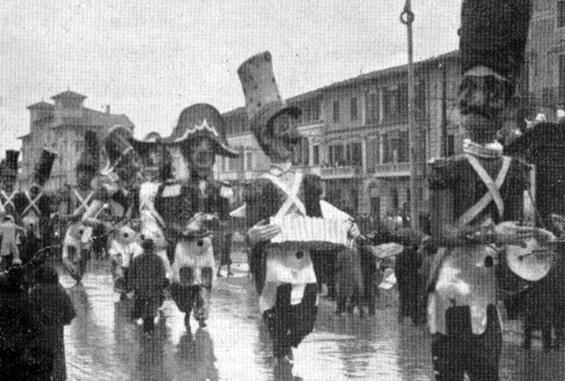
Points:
(443, 66)
(407, 18)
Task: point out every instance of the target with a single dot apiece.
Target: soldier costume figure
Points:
(285, 278)
(33, 209)
(8, 178)
(113, 201)
(9, 252)
(188, 208)
(76, 202)
(156, 169)
(476, 197)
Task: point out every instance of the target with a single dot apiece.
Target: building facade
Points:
(546, 57)
(60, 126)
(355, 136)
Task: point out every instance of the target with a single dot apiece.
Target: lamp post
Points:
(407, 18)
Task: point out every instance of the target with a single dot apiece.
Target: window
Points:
(335, 154)
(395, 101)
(353, 109)
(389, 102)
(354, 154)
(336, 111)
(301, 152)
(450, 145)
(372, 102)
(403, 147)
(316, 110)
(249, 161)
(402, 100)
(236, 164)
(386, 149)
(420, 98)
(560, 14)
(305, 151)
(316, 155)
(373, 153)
(395, 147)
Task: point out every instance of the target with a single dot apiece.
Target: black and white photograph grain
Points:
(282, 190)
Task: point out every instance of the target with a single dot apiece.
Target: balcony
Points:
(228, 175)
(392, 170)
(236, 175)
(341, 172)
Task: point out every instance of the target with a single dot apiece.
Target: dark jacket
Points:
(54, 309)
(147, 278)
(21, 358)
(263, 200)
(178, 202)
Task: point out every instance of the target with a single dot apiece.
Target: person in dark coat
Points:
(147, 279)
(225, 253)
(538, 310)
(408, 278)
(54, 309)
(21, 356)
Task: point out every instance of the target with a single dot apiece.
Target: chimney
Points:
(107, 109)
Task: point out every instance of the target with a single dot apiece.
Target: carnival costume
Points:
(33, 209)
(188, 207)
(80, 240)
(113, 200)
(156, 170)
(477, 192)
(9, 252)
(284, 276)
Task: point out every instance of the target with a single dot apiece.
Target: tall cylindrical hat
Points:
(10, 167)
(202, 120)
(90, 157)
(118, 144)
(43, 168)
(493, 34)
(262, 98)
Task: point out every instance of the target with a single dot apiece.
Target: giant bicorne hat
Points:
(201, 120)
(493, 34)
(262, 98)
(43, 167)
(10, 164)
(89, 159)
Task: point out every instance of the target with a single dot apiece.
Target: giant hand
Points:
(262, 231)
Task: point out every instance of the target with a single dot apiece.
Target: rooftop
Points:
(68, 95)
(40, 105)
(400, 69)
(359, 79)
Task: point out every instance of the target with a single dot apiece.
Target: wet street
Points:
(102, 343)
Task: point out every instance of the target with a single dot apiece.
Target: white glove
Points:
(262, 231)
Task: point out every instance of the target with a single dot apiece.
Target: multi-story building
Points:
(546, 56)
(61, 126)
(356, 135)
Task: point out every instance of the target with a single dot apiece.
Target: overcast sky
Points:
(150, 59)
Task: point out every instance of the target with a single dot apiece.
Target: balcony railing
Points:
(341, 172)
(391, 169)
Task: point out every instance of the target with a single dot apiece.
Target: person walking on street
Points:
(54, 309)
(147, 279)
